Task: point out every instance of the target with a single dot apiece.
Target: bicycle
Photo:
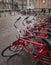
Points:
(40, 50)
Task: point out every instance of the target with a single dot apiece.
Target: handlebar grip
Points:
(15, 26)
(26, 18)
(18, 19)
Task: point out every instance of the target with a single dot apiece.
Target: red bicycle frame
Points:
(41, 51)
(40, 46)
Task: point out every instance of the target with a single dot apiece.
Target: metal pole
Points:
(22, 4)
(12, 4)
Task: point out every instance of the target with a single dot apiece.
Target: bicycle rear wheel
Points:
(8, 51)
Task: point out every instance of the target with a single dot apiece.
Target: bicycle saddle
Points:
(47, 43)
(49, 30)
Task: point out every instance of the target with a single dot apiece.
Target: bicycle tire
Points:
(5, 55)
(9, 48)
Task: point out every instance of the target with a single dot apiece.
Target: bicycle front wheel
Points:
(11, 50)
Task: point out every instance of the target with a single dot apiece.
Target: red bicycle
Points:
(40, 51)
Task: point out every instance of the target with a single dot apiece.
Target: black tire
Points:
(10, 51)
(6, 55)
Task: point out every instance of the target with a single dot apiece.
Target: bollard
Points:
(14, 13)
(0, 14)
(5, 15)
(10, 13)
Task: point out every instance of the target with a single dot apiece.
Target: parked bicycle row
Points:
(36, 40)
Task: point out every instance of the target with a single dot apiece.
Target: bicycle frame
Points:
(39, 33)
(41, 51)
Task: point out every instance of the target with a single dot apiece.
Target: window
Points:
(44, 1)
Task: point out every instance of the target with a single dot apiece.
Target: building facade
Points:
(8, 4)
(42, 3)
(16, 4)
(24, 4)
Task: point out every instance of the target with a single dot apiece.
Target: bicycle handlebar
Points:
(17, 28)
(23, 20)
(26, 18)
(18, 19)
(19, 32)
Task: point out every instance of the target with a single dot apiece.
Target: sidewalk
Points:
(7, 34)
